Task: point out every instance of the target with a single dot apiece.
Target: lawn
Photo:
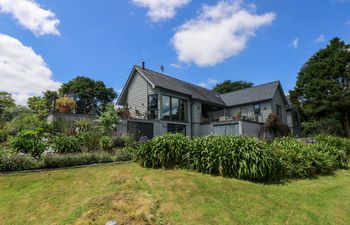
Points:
(134, 195)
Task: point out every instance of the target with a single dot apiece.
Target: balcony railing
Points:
(244, 114)
(138, 112)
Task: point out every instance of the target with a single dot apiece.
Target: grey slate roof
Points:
(248, 95)
(173, 84)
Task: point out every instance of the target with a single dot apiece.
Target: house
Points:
(157, 103)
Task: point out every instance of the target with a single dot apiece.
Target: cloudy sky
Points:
(44, 43)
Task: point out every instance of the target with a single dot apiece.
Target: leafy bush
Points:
(124, 141)
(106, 143)
(109, 119)
(12, 161)
(166, 151)
(66, 160)
(275, 126)
(29, 142)
(338, 147)
(303, 160)
(233, 156)
(326, 126)
(66, 144)
(90, 140)
(82, 125)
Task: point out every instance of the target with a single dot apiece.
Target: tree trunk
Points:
(347, 125)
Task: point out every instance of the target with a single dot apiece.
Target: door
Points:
(138, 129)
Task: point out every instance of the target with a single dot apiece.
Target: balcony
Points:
(138, 112)
(244, 114)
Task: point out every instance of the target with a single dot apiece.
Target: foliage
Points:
(124, 141)
(38, 105)
(29, 142)
(66, 160)
(109, 119)
(323, 85)
(66, 144)
(106, 143)
(25, 121)
(66, 101)
(11, 161)
(63, 126)
(82, 125)
(229, 86)
(303, 160)
(6, 101)
(166, 151)
(326, 126)
(274, 125)
(90, 140)
(233, 156)
(90, 94)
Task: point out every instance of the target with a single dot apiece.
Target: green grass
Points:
(134, 195)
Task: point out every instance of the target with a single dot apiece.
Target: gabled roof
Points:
(173, 84)
(258, 93)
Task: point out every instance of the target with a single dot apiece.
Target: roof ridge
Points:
(162, 74)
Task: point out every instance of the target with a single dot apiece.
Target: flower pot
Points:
(64, 109)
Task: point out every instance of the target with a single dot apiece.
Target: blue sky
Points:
(49, 42)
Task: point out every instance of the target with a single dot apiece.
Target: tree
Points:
(89, 94)
(42, 104)
(229, 86)
(323, 85)
(109, 119)
(6, 100)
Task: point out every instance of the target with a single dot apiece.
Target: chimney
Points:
(143, 65)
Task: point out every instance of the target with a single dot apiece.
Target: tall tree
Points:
(6, 101)
(228, 86)
(89, 94)
(323, 84)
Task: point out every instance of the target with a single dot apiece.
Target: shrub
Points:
(15, 162)
(82, 125)
(166, 151)
(66, 160)
(29, 142)
(109, 119)
(300, 160)
(118, 142)
(233, 156)
(106, 143)
(124, 141)
(338, 147)
(274, 125)
(326, 126)
(90, 140)
(66, 144)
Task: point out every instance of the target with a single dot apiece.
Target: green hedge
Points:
(246, 157)
(232, 156)
(166, 151)
(299, 160)
(12, 161)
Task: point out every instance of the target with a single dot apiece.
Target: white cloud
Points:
(320, 39)
(22, 72)
(212, 81)
(209, 83)
(161, 9)
(295, 43)
(202, 84)
(31, 16)
(218, 32)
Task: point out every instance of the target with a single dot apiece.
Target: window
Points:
(279, 111)
(173, 108)
(166, 107)
(257, 108)
(153, 106)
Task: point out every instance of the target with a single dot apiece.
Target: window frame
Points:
(179, 110)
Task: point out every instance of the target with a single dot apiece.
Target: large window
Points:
(173, 108)
(279, 111)
(153, 106)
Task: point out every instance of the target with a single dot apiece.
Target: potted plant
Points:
(65, 104)
(237, 116)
